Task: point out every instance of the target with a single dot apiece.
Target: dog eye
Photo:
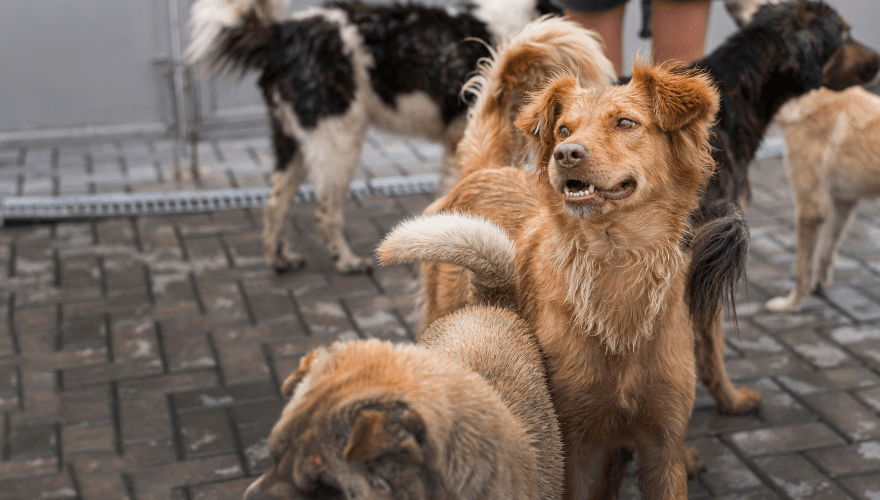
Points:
(563, 131)
(625, 123)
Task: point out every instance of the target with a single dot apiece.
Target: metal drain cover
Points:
(22, 208)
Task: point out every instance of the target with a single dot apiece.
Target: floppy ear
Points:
(678, 97)
(305, 364)
(386, 431)
(538, 117)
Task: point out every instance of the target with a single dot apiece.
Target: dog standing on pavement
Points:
(329, 73)
(465, 415)
(598, 271)
(833, 160)
(786, 50)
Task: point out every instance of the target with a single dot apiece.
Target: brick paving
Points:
(141, 358)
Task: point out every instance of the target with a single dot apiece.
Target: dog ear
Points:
(305, 365)
(386, 431)
(538, 117)
(678, 97)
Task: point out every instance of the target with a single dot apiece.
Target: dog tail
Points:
(474, 243)
(719, 250)
(521, 65)
(231, 35)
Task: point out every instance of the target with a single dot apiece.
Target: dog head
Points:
(615, 149)
(342, 434)
(820, 46)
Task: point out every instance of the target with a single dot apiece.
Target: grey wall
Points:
(82, 63)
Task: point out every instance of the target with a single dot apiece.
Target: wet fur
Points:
(466, 415)
(604, 292)
(329, 73)
(785, 50)
(833, 161)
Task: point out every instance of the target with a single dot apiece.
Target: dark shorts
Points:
(590, 5)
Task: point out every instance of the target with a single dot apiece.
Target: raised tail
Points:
(521, 65)
(471, 242)
(719, 250)
(233, 35)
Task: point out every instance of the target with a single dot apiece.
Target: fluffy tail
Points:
(719, 250)
(231, 35)
(522, 65)
(463, 240)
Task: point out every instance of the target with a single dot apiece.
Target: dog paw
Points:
(744, 401)
(354, 265)
(287, 262)
(782, 304)
(692, 463)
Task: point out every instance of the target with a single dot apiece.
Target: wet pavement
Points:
(140, 358)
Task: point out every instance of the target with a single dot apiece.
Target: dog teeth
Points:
(590, 190)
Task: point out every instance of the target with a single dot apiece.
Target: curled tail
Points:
(719, 250)
(233, 34)
(521, 65)
(471, 242)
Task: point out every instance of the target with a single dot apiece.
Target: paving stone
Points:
(206, 433)
(846, 414)
(725, 472)
(818, 351)
(795, 437)
(798, 478)
(846, 460)
(864, 487)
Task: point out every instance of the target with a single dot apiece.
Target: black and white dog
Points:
(329, 73)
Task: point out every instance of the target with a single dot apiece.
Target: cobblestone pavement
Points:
(141, 358)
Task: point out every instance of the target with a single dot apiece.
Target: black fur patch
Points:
(419, 48)
(286, 147)
(779, 55)
(310, 70)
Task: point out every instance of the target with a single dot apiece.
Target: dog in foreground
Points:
(464, 415)
(327, 74)
(598, 270)
(833, 160)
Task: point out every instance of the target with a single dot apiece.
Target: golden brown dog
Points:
(599, 270)
(833, 160)
(465, 416)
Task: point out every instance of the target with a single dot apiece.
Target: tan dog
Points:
(832, 160)
(468, 418)
(599, 271)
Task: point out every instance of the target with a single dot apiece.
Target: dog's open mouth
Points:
(578, 191)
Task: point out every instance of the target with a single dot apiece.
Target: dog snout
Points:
(569, 155)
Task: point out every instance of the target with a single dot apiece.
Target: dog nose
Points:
(569, 155)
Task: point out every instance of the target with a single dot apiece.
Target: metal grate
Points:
(23, 208)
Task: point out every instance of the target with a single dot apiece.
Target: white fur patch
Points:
(209, 17)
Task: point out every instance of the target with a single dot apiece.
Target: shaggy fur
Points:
(328, 73)
(787, 50)
(600, 275)
(465, 415)
(833, 160)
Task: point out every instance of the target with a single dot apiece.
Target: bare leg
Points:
(609, 25)
(713, 373)
(679, 30)
(839, 214)
(811, 211)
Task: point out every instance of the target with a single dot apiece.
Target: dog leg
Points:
(275, 246)
(839, 214)
(662, 471)
(811, 210)
(331, 173)
(579, 459)
(612, 472)
(713, 373)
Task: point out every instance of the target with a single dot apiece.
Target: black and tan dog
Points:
(465, 415)
(787, 50)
